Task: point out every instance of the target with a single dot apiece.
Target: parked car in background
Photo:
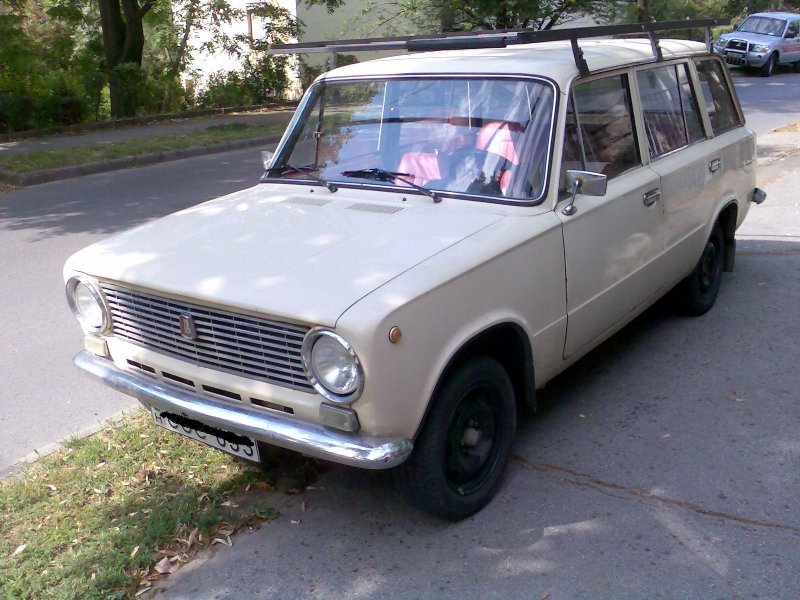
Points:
(436, 237)
(763, 41)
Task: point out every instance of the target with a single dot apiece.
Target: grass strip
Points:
(40, 160)
(111, 513)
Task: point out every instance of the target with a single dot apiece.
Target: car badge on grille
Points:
(188, 329)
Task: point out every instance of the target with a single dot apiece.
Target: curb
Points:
(53, 447)
(114, 164)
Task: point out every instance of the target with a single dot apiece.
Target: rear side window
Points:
(717, 96)
(671, 117)
(599, 134)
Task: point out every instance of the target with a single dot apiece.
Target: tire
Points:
(768, 68)
(452, 473)
(796, 66)
(698, 292)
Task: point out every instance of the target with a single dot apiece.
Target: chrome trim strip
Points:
(314, 440)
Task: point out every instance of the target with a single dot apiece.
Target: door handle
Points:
(651, 197)
(714, 165)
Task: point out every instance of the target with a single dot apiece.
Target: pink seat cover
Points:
(496, 137)
(422, 166)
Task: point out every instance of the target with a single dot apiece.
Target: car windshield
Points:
(467, 136)
(764, 25)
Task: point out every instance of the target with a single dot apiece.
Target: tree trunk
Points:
(176, 63)
(123, 43)
(641, 11)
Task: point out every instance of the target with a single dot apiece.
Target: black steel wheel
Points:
(698, 292)
(461, 453)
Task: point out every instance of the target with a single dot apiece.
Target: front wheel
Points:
(462, 451)
(698, 292)
(768, 68)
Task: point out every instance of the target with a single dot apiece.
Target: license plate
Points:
(229, 442)
(736, 58)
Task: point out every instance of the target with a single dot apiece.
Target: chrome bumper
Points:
(313, 440)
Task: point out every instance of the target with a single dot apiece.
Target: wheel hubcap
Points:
(471, 450)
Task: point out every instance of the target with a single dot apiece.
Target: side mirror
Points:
(586, 183)
(736, 27)
(266, 158)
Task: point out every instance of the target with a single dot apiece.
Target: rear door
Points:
(689, 168)
(612, 241)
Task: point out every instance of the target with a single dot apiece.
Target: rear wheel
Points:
(462, 451)
(698, 292)
(796, 66)
(768, 68)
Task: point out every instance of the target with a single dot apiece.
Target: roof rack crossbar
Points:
(500, 38)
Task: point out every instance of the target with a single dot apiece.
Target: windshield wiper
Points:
(383, 175)
(308, 171)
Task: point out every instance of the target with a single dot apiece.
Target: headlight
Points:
(87, 305)
(759, 48)
(332, 366)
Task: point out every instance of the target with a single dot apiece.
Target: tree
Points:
(123, 44)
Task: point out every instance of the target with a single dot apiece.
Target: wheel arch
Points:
(509, 344)
(727, 218)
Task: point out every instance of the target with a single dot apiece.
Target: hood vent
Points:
(375, 208)
(307, 201)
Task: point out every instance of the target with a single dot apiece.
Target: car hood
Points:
(758, 38)
(303, 257)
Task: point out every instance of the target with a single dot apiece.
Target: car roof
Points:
(549, 59)
(776, 15)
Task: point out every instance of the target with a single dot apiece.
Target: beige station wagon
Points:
(437, 235)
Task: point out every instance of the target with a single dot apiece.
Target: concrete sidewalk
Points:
(151, 130)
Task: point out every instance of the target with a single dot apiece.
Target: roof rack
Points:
(500, 38)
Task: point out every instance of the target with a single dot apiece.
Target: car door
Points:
(790, 48)
(610, 242)
(690, 169)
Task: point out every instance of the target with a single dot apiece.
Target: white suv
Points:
(437, 236)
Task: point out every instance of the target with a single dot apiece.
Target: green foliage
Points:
(53, 67)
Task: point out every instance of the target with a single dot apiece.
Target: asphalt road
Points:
(43, 398)
(666, 462)
(771, 102)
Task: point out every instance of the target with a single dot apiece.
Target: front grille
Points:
(255, 348)
(740, 45)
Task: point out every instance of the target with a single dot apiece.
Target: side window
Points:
(793, 29)
(671, 117)
(691, 108)
(599, 133)
(717, 96)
